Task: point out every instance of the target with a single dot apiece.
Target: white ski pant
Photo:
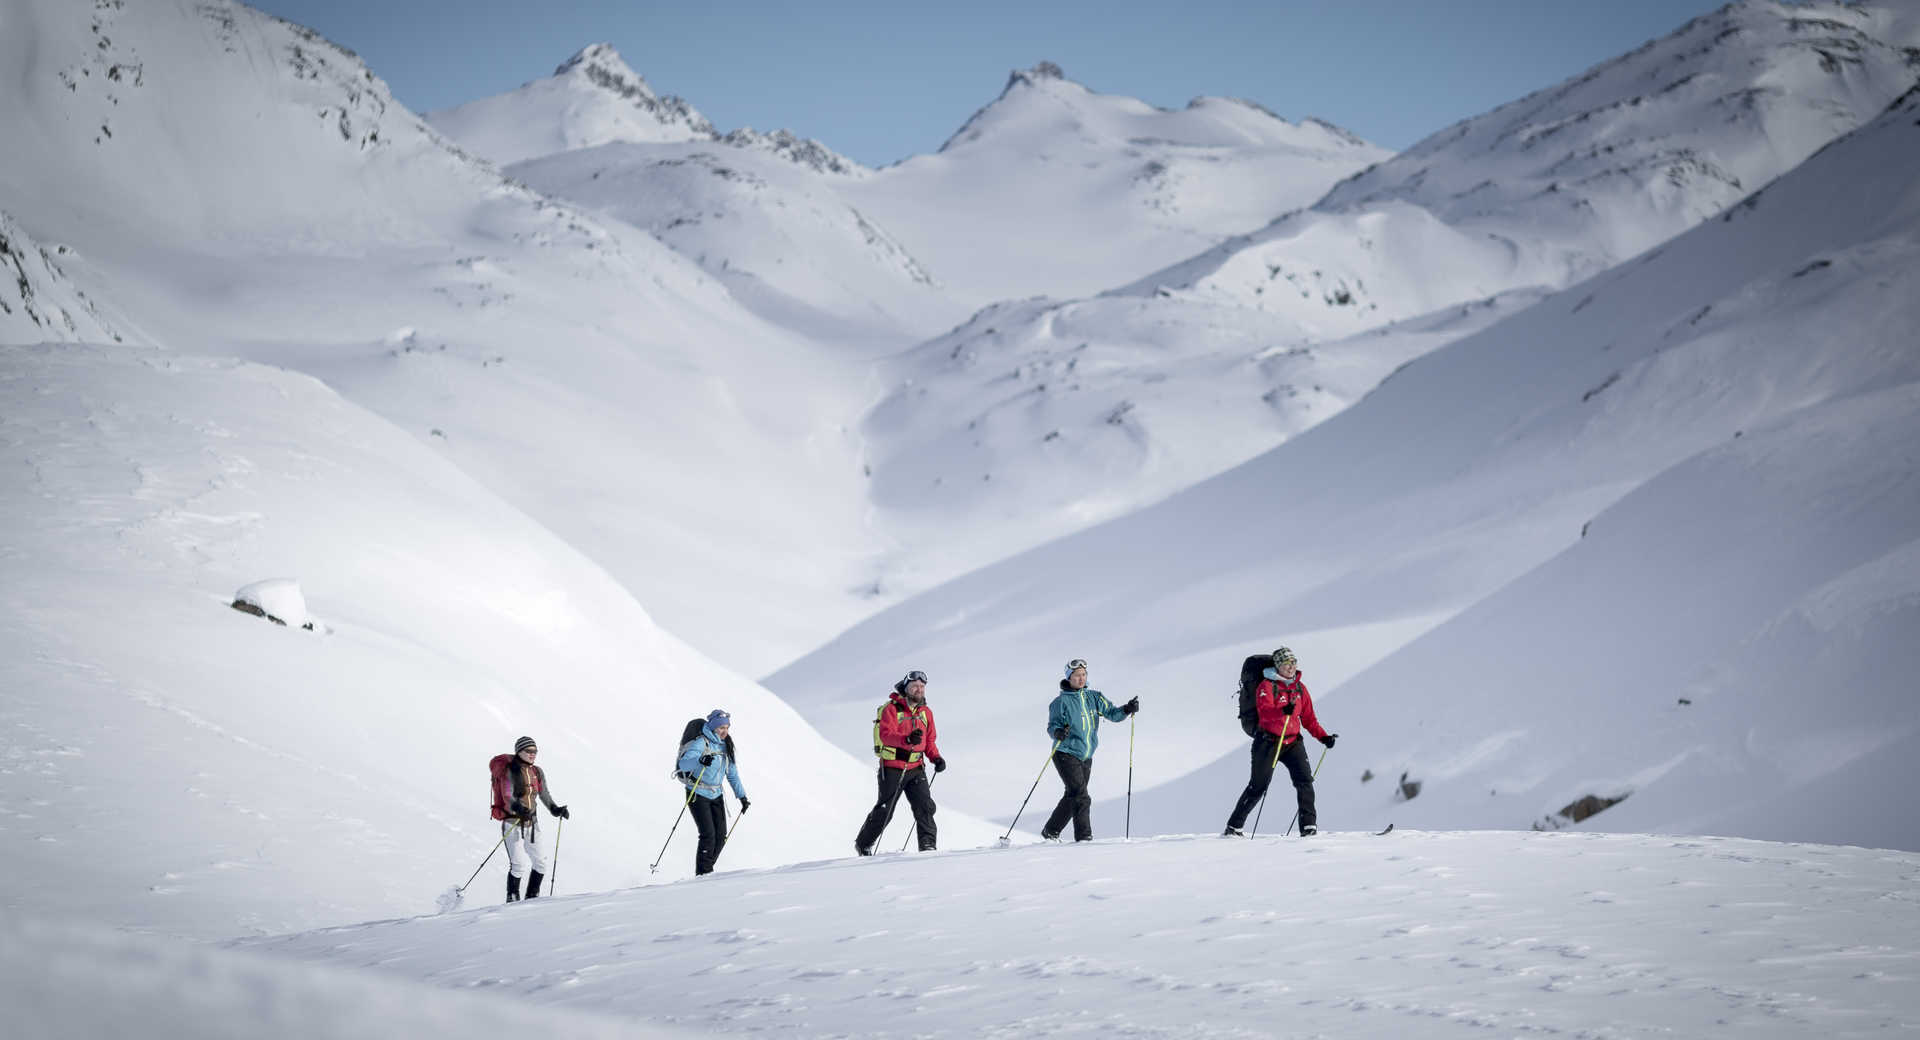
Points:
(524, 848)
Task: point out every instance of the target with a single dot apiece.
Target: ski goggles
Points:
(915, 676)
(1074, 665)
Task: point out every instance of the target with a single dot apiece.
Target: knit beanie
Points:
(524, 743)
(718, 718)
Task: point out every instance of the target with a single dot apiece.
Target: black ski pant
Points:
(710, 815)
(1295, 759)
(1075, 802)
(918, 791)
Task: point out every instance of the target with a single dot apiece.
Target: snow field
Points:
(1348, 934)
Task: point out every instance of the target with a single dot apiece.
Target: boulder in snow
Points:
(276, 599)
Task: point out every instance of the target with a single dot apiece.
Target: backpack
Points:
(500, 783)
(691, 731)
(1250, 677)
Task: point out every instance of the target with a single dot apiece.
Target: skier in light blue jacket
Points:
(1073, 721)
(705, 758)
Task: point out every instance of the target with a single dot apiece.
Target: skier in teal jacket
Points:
(1073, 721)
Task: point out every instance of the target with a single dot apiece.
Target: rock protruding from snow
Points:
(279, 600)
(37, 300)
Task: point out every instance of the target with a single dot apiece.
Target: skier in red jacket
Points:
(905, 739)
(1285, 709)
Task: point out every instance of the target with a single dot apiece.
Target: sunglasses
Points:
(531, 751)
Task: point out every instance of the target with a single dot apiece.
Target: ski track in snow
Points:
(1430, 934)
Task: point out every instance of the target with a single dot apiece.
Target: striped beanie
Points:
(524, 743)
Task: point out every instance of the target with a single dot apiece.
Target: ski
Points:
(1388, 830)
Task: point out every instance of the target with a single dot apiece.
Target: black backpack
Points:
(1250, 677)
(692, 730)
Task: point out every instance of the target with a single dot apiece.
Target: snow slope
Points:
(1471, 474)
(182, 767)
(233, 184)
(68, 982)
(1410, 934)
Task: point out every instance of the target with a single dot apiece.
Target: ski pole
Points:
(916, 822)
(735, 826)
(553, 879)
(1030, 790)
(1316, 776)
(1131, 727)
(484, 862)
(655, 867)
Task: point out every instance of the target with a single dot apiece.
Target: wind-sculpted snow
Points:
(1350, 934)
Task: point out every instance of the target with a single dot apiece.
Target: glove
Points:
(1060, 733)
(706, 760)
(939, 765)
(515, 812)
(686, 778)
(561, 811)
(914, 737)
(745, 804)
(1131, 706)
(1329, 739)
(1287, 708)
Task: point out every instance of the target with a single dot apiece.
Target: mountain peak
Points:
(1044, 71)
(601, 65)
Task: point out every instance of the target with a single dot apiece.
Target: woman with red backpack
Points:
(517, 785)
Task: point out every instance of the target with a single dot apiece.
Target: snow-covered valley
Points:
(1573, 449)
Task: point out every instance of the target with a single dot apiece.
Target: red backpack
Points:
(502, 784)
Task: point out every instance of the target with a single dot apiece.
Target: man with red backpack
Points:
(1282, 707)
(517, 785)
(904, 735)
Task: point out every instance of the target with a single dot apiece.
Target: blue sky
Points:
(882, 81)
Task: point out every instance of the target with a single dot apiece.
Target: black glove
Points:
(745, 804)
(686, 778)
(515, 812)
(1131, 706)
(1329, 739)
(1287, 708)
(914, 737)
(706, 760)
(939, 764)
(1060, 733)
(561, 811)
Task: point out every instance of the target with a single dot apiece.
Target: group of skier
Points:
(1276, 710)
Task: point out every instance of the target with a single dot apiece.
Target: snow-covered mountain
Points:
(1568, 181)
(233, 184)
(1035, 418)
(1054, 189)
(184, 767)
(1652, 535)
(595, 98)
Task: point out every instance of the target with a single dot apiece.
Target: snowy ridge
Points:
(1434, 935)
(1570, 180)
(595, 98)
(1053, 189)
(783, 242)
(1739, 392)
(37, 300)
